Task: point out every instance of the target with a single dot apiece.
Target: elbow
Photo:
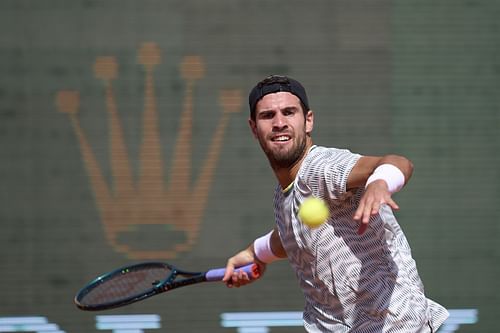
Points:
(403, 163)
(408, 172)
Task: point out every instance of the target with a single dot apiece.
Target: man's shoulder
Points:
(335, 163)
(322, 152)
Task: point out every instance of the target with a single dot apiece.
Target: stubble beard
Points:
(281, 158)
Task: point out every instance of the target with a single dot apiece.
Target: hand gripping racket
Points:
(137, 282)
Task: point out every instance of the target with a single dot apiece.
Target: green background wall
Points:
(417, 78)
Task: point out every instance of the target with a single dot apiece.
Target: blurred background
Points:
(124, 137)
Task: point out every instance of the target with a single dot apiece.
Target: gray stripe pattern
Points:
(351, 283)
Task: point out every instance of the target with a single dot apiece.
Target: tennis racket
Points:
(137, 282)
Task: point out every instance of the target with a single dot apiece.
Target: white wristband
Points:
(391, 174)
(262, 249)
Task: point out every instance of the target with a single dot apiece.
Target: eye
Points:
(289, 111)
(266, 115)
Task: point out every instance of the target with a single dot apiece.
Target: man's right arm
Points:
(262, 251)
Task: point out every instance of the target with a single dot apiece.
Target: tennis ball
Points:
(313, 212)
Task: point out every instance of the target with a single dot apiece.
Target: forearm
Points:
(367, 165)
(381, 178)
(402, 163)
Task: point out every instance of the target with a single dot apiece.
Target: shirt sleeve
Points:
(327, 170)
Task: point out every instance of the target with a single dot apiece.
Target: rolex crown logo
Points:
(130, 206)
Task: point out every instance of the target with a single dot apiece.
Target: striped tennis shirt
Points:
(351, 283)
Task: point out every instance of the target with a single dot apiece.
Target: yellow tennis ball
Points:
(313, 212)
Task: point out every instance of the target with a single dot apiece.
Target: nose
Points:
(279, 122)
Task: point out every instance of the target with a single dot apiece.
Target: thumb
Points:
(229, 272)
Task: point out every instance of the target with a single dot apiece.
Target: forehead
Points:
(278, 100)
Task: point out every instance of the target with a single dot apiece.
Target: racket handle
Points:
(217, 274)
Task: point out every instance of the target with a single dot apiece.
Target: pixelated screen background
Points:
(124, 138)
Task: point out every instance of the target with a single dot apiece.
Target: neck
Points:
(287, 175)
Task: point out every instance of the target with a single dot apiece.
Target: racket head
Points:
(125, 285)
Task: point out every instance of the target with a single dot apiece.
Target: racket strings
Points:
(124, 285)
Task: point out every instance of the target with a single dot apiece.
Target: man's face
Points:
(281, 128)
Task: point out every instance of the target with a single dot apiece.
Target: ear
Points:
(253, 127)
(309, 121)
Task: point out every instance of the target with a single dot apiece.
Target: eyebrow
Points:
(286, 108)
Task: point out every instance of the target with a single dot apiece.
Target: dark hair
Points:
(276, 83)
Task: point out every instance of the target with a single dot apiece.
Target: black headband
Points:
(276, 83)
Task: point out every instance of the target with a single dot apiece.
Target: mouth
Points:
(281, 138)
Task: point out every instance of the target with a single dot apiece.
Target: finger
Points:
(229, 282)
(359, 212)
(393, 204)
(242, 276)
(367, 213)
(376, 207)
(229, 272)
(235, 282)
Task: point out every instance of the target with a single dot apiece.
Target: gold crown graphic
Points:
(128, 206)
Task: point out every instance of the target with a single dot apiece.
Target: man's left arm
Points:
(382, 177)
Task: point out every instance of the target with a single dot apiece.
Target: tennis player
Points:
(356, 270)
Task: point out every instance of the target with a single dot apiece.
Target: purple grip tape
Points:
(218, 273)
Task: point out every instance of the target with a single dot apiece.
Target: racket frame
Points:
(162, 286)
